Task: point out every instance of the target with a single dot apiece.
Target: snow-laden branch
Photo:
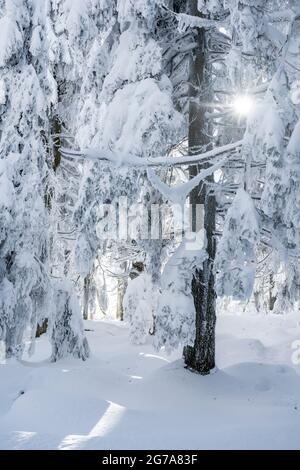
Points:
(119, 159)
(178, 194)
(190, 21)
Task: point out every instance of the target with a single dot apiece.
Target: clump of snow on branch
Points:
(127, 9)
(136, 58)
(143, 109)
(10, 39)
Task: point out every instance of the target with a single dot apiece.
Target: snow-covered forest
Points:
(149, 224)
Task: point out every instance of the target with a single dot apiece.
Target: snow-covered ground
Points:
(129, 397)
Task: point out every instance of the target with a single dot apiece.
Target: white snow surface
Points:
(129, 397)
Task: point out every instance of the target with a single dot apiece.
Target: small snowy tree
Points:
(66, 328)
(235, 263)
(139, 306)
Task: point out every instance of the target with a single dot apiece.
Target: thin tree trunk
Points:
(56, 131)
(121, 289)
(201, 357)
(86, 296)
(120, 296)
(272, 297)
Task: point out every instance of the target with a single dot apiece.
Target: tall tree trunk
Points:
(55, 129)
(86, 296)
(120, 296)
(121, 289)
(272, 297)
(201, 357)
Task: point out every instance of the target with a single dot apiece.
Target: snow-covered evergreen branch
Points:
(148, 162)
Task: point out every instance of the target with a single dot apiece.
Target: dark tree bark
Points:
(201, 357)
(272, 297)
(56, 131)
(41, 329)
(86, 296)
(136, 269)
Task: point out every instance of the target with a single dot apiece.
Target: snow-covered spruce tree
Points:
(77, 26)
(199, 70)
(28, 92)
(67, 335)
(139, 302)
(194, 20)
(270, 172)
(144, 34)
(135, 101)
(201, 356)
(285, 89)
(28, 101)
(96, 186)
(76, 29)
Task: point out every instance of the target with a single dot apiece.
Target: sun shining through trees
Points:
(243, 105)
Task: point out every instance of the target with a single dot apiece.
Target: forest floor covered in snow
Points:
(131, 397)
